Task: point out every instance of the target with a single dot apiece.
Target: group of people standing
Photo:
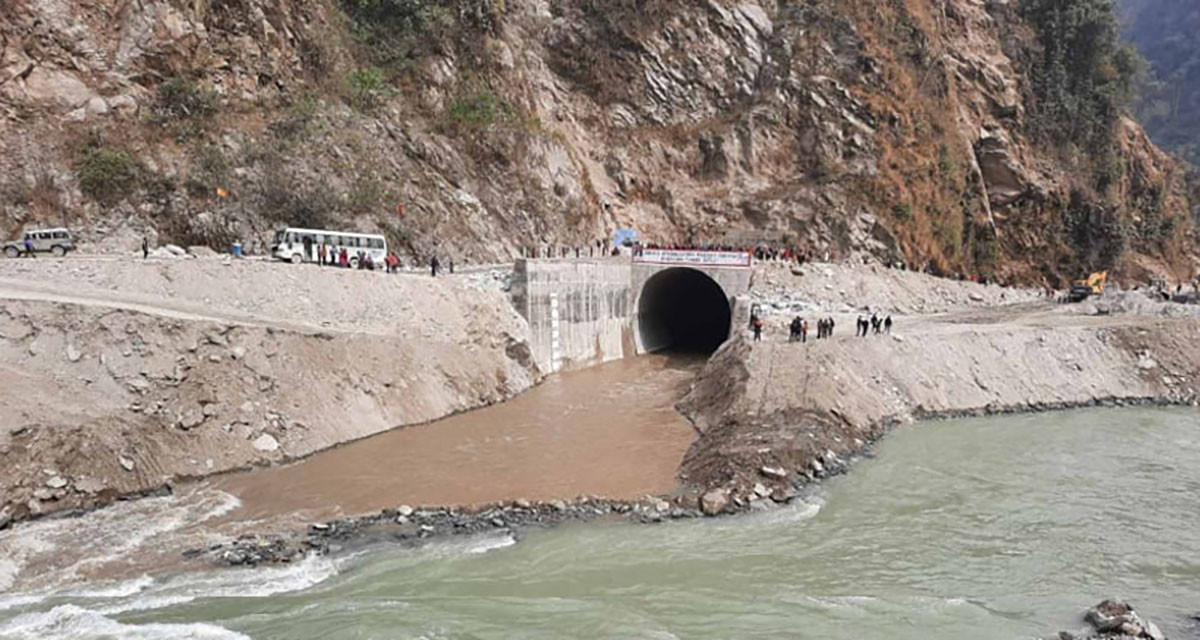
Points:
(799, 327)
(873, 324)
(331, 256)
(798, 330)
(599, 248)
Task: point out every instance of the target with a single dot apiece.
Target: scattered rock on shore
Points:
(714, 502)
(1115, 620)
(409, 526)
(266, 443)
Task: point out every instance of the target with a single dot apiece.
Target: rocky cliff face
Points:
(896, 130)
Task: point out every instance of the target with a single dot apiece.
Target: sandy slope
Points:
(119, 376)
(795, 407)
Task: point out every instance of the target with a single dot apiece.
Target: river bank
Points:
(189, 370)
(774, 419)
(778, 415)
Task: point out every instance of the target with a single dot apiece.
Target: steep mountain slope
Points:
(1165, 31)
(906, 130)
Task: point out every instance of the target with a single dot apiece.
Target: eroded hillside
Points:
(914, 130)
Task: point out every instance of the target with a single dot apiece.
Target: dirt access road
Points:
(249, 292)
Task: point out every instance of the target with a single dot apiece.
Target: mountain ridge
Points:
(905, 131)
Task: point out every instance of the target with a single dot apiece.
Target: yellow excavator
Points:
(1093, 286)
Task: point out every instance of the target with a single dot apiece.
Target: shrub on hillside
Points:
(299, 120)
(368, 89)
(1096, 234)
(479, 108)
(181, 98)
(209, 170)
(296, 201)
(367, 194)
(1085, 77)
(394, 32)
(107, 174)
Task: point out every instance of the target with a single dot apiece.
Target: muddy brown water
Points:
(610, 431)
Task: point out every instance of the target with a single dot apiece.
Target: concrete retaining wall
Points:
(579, 313)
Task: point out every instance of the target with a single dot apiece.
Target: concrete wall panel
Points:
(579, 312)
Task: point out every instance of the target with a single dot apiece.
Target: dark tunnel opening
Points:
(683, 310)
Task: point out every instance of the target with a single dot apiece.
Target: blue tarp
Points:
(625, 237)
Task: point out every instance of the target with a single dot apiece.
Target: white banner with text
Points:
(694, 258)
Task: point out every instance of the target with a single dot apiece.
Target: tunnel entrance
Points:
(683, 310)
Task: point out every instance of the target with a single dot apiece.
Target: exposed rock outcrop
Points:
(1114, 620)
(894, 131)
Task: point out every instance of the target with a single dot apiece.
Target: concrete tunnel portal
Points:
(683, 310)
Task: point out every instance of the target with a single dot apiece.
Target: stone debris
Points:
(57, 482)
(714, 502)
(839, 289)
(202, 252)
(191, 419)
(410, 526)
(1114, 620)
(89, 485)
(266, 443)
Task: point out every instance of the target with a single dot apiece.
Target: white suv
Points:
(55, 241)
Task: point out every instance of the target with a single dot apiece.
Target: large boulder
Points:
(1114, 618)
(1006, 178)
(714, 502)
(53, 87)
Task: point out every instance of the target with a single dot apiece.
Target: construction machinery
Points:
(1093, 286)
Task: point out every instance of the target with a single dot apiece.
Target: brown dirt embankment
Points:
(103, 399)
(780, 415)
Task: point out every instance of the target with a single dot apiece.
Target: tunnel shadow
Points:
(683, 311)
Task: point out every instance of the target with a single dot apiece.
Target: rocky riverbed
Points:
(413, 526)
(1114, 620)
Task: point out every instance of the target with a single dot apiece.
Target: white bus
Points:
(304, 245)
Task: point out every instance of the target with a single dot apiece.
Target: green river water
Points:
(987, 528)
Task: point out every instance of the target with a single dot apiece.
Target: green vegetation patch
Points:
(1084, 77)
(480, 108)
(209, 170)
(368, 89)
(181, 98)
(392, 33)
(107, 174)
